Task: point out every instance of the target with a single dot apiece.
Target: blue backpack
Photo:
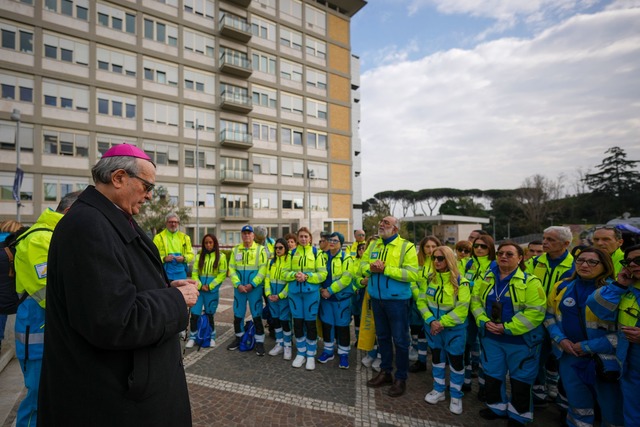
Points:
(203, 334)
(248, 340)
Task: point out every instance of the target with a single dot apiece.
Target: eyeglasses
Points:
(590, 262)
(628, 262)
(359, 235)
(464, 251)
(148, 186)
(278, 248)
(505, 253)
(333, 240)
(438, 258)
(480, 245)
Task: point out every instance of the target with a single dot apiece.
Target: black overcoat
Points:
(111, 354)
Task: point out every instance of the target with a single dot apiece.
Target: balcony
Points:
(235, 27)
(236, 63)
(234, 101)
(236, 214)
(243, 3)
(236, 176)
(235, 139)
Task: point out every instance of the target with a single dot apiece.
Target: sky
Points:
(485, 93)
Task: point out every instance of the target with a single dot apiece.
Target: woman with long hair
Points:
(444, 306)
(210, 270)
(276, 291)
(578, 337)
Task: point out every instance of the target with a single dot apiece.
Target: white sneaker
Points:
(376, 364)
(311, 363)
(276, 350)
(455, 406)
(434, 397)
(212, 344)
(367, 361)
(298, 361)
(413, 354)
(190, 343)
(287, 353)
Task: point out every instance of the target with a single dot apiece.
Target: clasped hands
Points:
(377, 266)
(189, 290)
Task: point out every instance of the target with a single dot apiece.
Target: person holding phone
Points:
(620, 301)
(509, 307)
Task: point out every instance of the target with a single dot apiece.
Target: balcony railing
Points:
(236, 176)
(236, 214)
(235, 139)
(235, 27)
(243, 3)
(236, 63)
(234, 101)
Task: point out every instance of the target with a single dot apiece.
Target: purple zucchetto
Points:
(126, 150)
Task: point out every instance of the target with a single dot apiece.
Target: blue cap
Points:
(247, 228)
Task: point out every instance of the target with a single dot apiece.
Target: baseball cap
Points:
(247, 228)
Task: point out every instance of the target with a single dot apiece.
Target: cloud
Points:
(507, 109)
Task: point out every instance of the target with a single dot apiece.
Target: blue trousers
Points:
(254, 298)
(336, 313)
(207, 300)
(630, 384)
(448, 345)
(28, 410)
(304, 305)
(392, 330)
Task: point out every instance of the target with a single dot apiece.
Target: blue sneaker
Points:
(344, 361)
(325, 357)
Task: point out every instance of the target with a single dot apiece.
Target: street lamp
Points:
(197, 164)
(493, 218)
(310, 175)
(16, 117)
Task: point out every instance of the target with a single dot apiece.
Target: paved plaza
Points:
(230, 388)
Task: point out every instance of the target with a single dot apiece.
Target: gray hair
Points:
(260, 231)
(67, 201)
(171, 215)
(102, 171)
(563, 232)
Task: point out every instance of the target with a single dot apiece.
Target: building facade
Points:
(244, 106)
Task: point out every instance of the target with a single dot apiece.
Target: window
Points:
(66, 49)
(116, 105)
(162, 153)
(316, 19)
(291, 103)
(56, 187)
(206, 197)
(265, 165)
(264, 97)
(65, 143)
(16, 38)
(290, 38)
(290, 71)
(320, 170)
(116, 18)
(160, 32)
(8, 134)
(316, 48)
(292, 200)
(199, 81)
(206, 119)
(66, 7)
(199, 43)
(6, 186)
(265, 131)
(234, 205)
(239, 95)
(263, 63)
(65, 95)
(292, 8)
(119, 62)
(292, 167)
(291, 136)
(206, 159)
(265, 199)
(319, 202)
(160, 72)
(262, 28)
(267, 4)
(235, 131)
(203, 8)
(107, 141)
(317, 140)
(316, 78)
(317, 109)
(160, 112)
(16, 88)
(235, 57)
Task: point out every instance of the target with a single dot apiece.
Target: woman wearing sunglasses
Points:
(276, 290)
(483, 255)
(444, 305)
(418, 349)
(463, 253)
(577, 334)
(509, 307)
(620, 301)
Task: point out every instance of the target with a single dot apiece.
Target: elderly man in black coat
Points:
(112, 355)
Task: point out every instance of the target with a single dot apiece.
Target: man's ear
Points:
(117, 178)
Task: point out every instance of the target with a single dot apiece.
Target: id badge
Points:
(238, 257)
(431, 292)
(374, 255)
